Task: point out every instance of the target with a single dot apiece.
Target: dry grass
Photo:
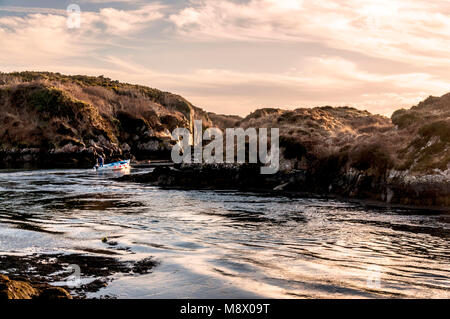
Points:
(49, 110)
(417, 139)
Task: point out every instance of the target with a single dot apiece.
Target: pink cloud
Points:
(413, 34)
(390, 29)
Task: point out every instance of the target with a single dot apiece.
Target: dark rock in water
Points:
(144, 266)
(208, 176)
(53, 293)
(395, 188)
(17, 289)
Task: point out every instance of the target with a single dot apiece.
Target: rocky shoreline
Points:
(19, 289)
(395, 188)
(67, 157)
(32, 277)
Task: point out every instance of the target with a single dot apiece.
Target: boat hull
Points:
(117, 166)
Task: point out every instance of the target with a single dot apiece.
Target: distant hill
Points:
(224, 121)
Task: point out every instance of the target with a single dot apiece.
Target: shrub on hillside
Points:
(371, 156)
(403, 118)
(293, 148)
(438, 128)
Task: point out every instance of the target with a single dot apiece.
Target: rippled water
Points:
(227, 244)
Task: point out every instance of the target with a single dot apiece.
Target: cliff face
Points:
(49, 117)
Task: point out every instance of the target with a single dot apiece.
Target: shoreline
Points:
(294, 184)
(48, 276)
(362, 202)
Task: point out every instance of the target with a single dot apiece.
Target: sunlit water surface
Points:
(227, 244)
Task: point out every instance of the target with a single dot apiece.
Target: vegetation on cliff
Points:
(425, 129)
(415, 140)
(81, 116)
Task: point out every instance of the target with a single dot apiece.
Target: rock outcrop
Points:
(17, 289)
(398, 189)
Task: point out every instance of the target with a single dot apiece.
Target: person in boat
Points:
(100, 161)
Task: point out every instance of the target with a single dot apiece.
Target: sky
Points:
(234, 56)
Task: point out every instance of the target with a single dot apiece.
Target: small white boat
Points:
(117, 166)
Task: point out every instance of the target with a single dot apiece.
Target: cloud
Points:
(413, 34)
(38, 36)
(256, 20)
(323, 81)
(31, 10)
(125, 21)
(111, 1)
(415, 31)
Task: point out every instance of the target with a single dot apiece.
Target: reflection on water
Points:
(226, 244)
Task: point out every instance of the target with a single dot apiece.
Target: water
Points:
(227, 244)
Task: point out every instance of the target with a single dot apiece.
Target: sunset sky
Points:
(233, 56)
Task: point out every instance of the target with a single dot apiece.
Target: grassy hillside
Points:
(425, 129)
(59, 114)
(415, 140)
(352, 153)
